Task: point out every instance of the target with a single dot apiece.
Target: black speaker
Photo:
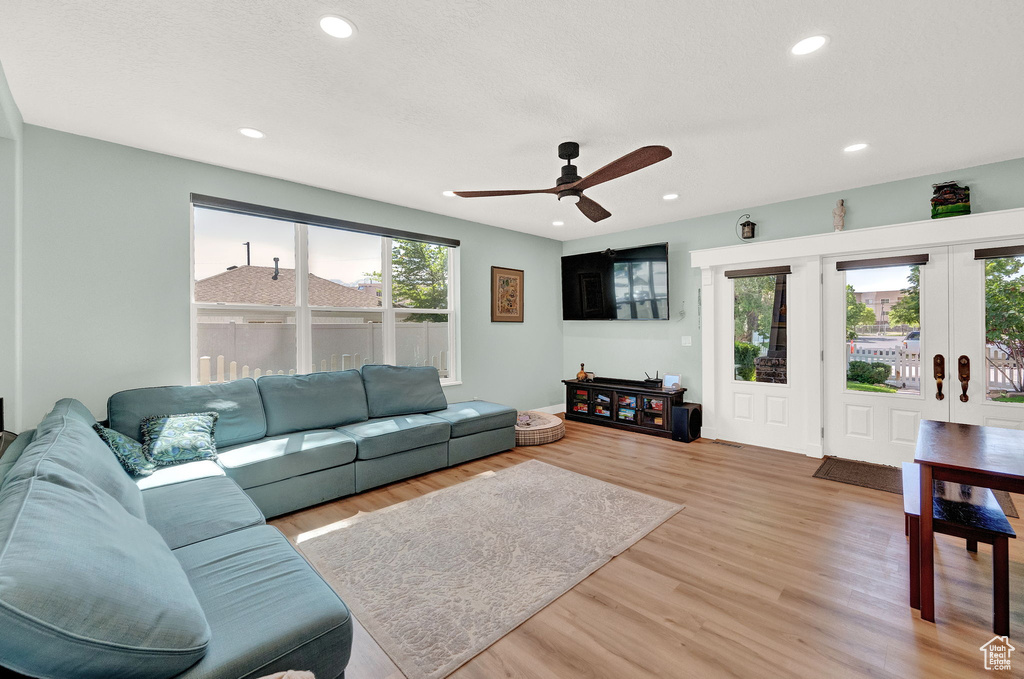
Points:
(686, 421)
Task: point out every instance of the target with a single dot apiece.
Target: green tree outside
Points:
(419, 278)
(1004, 313)
(907, 311)
(752, 309)
(857, 313)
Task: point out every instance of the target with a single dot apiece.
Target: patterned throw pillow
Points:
(172, 439)
(127, 450)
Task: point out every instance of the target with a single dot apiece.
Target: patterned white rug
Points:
(437, 579)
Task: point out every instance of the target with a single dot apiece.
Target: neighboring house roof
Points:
(256, 285)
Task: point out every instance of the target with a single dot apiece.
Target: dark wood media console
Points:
(624, 404)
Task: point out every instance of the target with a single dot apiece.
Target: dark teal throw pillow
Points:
(128, 451)
(172, 439)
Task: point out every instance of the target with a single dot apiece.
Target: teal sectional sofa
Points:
(176, 574)
(292, 441)
(172, 575)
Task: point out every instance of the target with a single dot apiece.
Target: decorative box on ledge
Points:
(624, 404)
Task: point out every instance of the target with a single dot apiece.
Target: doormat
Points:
(884, 477)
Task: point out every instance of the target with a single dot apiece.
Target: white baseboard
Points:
(551, 410)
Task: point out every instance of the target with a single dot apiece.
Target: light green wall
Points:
(106, 275)
(8, 279)
(627, 348)
(10, 176)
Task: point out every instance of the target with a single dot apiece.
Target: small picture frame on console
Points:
(670, 382)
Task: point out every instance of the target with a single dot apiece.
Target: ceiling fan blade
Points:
(631, 162)
(592, 210)
(488, 194)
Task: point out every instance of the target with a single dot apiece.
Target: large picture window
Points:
(272, 296)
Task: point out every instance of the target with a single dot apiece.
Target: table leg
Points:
(1001, 586)
(915, 561)
(926, 540)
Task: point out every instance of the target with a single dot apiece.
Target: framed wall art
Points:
(506, 295)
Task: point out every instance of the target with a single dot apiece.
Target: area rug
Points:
(437, 579)
(884, 477)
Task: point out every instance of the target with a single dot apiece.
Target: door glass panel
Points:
(241, 343)
(759, 339)
(1004, 329)
(883, 330)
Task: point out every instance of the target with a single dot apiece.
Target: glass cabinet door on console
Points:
(626, 408)
(581, 401)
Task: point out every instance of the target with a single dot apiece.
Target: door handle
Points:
(939, 370)
(963, 368)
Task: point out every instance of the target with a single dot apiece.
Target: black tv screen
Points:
(629, 284)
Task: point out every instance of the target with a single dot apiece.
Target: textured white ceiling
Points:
(464, 94)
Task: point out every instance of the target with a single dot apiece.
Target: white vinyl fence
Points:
(229, 351)
(905, 366)
(1003, 373)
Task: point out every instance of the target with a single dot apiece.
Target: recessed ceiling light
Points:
(855, 147)
(251, 132)
(336, 27)
(670, 196)
(557, 223)
(448, 194)
(808, 45)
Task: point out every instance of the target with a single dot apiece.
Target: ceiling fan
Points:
(571, 186)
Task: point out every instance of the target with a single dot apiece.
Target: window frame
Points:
(303, 311)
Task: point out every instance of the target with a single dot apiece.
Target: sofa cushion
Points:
(65, 439)
(281, 457)
(179, 473)
(473, 417)
(268, 609)
(127, 450)
(390, 435)
(14, 451)
(175, 439)
(237, 403)
(86, 589)
(198, 510)
(401, 390)
(315, 401)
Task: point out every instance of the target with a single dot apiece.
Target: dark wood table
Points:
(988, 457)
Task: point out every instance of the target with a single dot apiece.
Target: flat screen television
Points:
(616, 285)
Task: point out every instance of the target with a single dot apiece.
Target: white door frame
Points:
(716, 333)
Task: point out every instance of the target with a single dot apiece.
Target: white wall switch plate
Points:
(687, 341)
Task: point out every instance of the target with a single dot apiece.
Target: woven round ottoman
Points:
(534, 428)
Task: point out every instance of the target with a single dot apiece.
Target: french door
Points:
(946, 344)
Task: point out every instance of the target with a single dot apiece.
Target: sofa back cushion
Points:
(64, 438)
(402, 390)
(88, 590)
(316, 401)
(237, 403)
(14, 451)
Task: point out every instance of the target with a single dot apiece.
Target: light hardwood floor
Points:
(767, 572)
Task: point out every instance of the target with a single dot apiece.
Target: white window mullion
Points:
(303, 317)
(390, 346)
(454, 318)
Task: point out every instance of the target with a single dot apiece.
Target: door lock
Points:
(939, 370)
(964, 373)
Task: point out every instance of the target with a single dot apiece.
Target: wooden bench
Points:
(979, 520)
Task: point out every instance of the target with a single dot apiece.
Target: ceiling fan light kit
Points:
(571, 186)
